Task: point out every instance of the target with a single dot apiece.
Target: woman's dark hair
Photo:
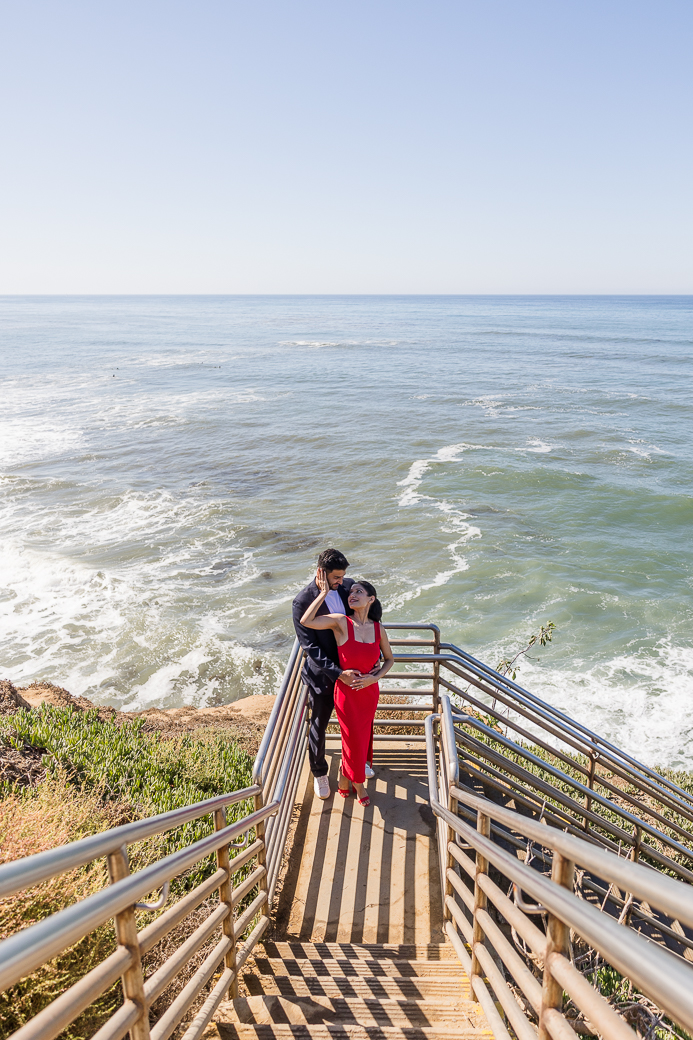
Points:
(332, 560)
(375, 611)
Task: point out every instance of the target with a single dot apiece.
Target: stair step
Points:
(359, 966)
(442, 952)
(262, 1010)
(383, 988)
(286, 1031)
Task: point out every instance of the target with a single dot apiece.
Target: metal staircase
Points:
(509, 857)
(325, 990)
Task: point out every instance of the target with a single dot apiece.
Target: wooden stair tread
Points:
(227, 1031)
(385, 986)
(361, 954)
(265, 1009)
(321, 967)
(440, 952)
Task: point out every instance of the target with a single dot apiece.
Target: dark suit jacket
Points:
(321, 668)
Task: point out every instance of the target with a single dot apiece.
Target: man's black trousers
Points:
(321, 705)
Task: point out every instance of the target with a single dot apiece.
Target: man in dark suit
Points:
(321, 668)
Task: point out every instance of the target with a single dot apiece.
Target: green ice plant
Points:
(123, 764)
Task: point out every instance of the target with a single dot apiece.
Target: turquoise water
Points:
(171, 466)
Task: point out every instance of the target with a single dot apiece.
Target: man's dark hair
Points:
(332, 560)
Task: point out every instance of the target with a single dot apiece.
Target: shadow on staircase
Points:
(358, 946)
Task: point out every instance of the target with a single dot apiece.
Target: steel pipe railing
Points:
(276, 772)
(598, 743)
(576, 791)
(558, 795)
(640, 813)
(24, 873)
(665, 978)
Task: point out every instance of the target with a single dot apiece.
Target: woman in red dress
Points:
(361, 640)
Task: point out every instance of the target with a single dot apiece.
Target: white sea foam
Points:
(28, 438)
(204, 358)
(452, 452)
(644, 450)
(455, 520)
(124, 627)
(640, 701)
(411, 482)
(337, 343)
(537, 446)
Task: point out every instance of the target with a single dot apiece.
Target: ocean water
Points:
(171, 466)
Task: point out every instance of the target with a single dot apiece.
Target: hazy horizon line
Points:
(345, 295)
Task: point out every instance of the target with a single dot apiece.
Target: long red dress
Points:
(356, 708)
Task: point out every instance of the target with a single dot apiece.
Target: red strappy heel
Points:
(344, 791)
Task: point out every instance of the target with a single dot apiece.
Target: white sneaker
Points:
(370, 772)
(321, 786)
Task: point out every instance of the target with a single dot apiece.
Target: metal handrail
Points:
(657, 889)
(24, 873)
(277, 707)
(25, 951)
(583, 816)
(559, 775)
(276, 773)
(570, 724)
(664, 977)
(576, 833)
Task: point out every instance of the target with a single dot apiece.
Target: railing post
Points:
(226, 896)
(450, 862)
(126, 934)
(483, 826)
(263, 883)
(436, 787)
(627, 911)
(436, 670)
(557, 940)
(590, 784)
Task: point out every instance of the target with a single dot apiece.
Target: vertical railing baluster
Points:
(483, 826)
(446, 859)
(226, 896)
(557, 941)
(436, 671)
(126, 934)
(590, 784)
(263, 883)
(627, 911)
(450, 862)
(442, 829)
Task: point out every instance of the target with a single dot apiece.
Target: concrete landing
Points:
(365, 875)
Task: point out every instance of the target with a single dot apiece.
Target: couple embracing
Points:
(337, 621)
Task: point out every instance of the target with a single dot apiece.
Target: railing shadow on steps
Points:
(520, 955)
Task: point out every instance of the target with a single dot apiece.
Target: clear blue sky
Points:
(440, 146)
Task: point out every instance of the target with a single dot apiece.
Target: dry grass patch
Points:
(53, 814)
